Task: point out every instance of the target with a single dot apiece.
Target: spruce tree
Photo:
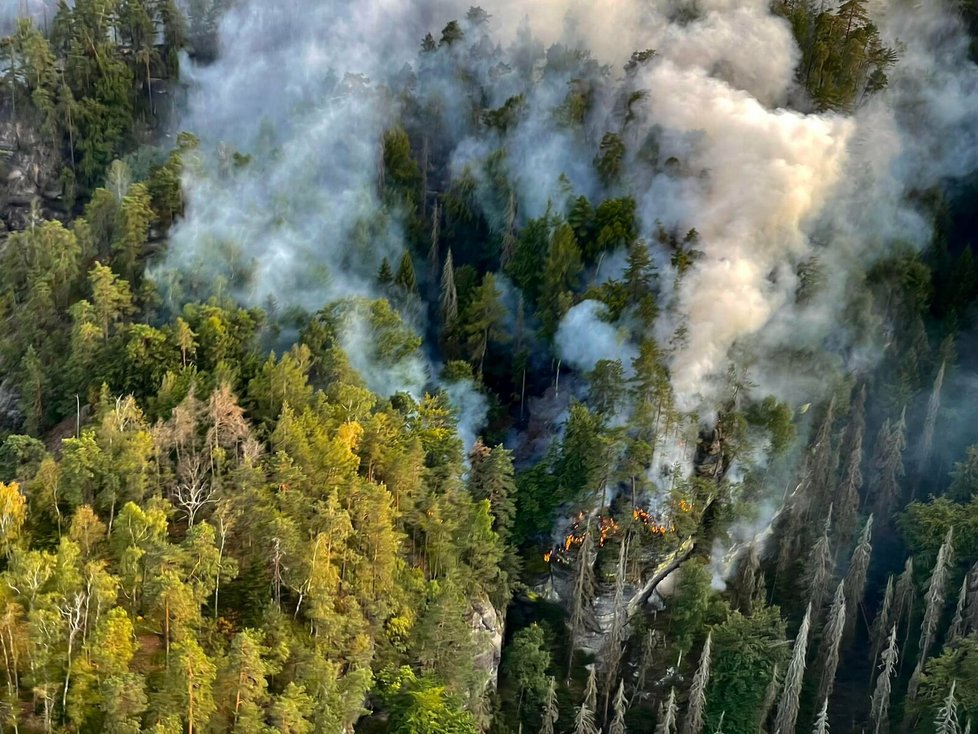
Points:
(615, 647)
(904, 594)
(888, 461)
(821, 466)
(831, 642)
(822, 722)
(693, 724)
(947, 716)
(449, 295)
(434, 251)
(405, 277)
(957, 628)
(667, 720)
(855, 580)
(591, 689)
(926, 445)
(550, 712)
(847, 496)
(584, 722)
(749, 581)
(820, 568)
(788, 707)
(880, 705)
(881, 624)
(583, 594)
(770, 698)
(618, 722)
(934, 606)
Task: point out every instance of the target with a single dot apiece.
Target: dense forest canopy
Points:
(425, 368)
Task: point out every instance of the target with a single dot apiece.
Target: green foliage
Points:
(745, 653)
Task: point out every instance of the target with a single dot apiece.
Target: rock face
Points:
(488, 626)
(29, 170)
(11, 417)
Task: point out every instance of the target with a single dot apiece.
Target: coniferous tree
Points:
(550, 712)
(770, 698)
(434, 250)
(693, 723)
(821, 467)
(947, 716)
(882, 624)
(904, 594)
(584, 722)
(788, 707)
(583, 594)
(822, 722)
(957, 628)
(749, 582)
(615, 647)
(669, 715)
(926, 445)
(618, 722)
(405, 277)
(385, 276)
(831, 642)
(820, 568)
(449, 295)
(591, 689)
(855, 580)
(880, 705)
(933, 609)
(888, 466)
(847, 496)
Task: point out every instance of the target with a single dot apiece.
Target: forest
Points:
(565, 367)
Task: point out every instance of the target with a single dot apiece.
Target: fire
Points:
(685, 506)
(651, 523)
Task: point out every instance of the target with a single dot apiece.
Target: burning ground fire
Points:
(608, 527)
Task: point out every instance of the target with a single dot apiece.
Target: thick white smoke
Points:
(307, 89)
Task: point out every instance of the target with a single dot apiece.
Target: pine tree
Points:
(934, 606)
(822, 722)
(880, 706)
(855, 581)
(591, 689)
(434, 251)
(583, 594)
(484, 321)
(971, 605)
(847, 496)
(770, 698)
(881, 624)
(888, 463)
(831, 642)
(947, 717)
(617, 637)
(693, 723)
(550, 712)
(957, 628)
(749, 583)
(618, 723)
(385, 276)
(788, 707)
(449, 295)
(904, 594)
(667, 720)
(926, 445)
(510, 238)
(645, 663)
(820, 567)
(405, 277)
(584, 723)
(822, 462)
